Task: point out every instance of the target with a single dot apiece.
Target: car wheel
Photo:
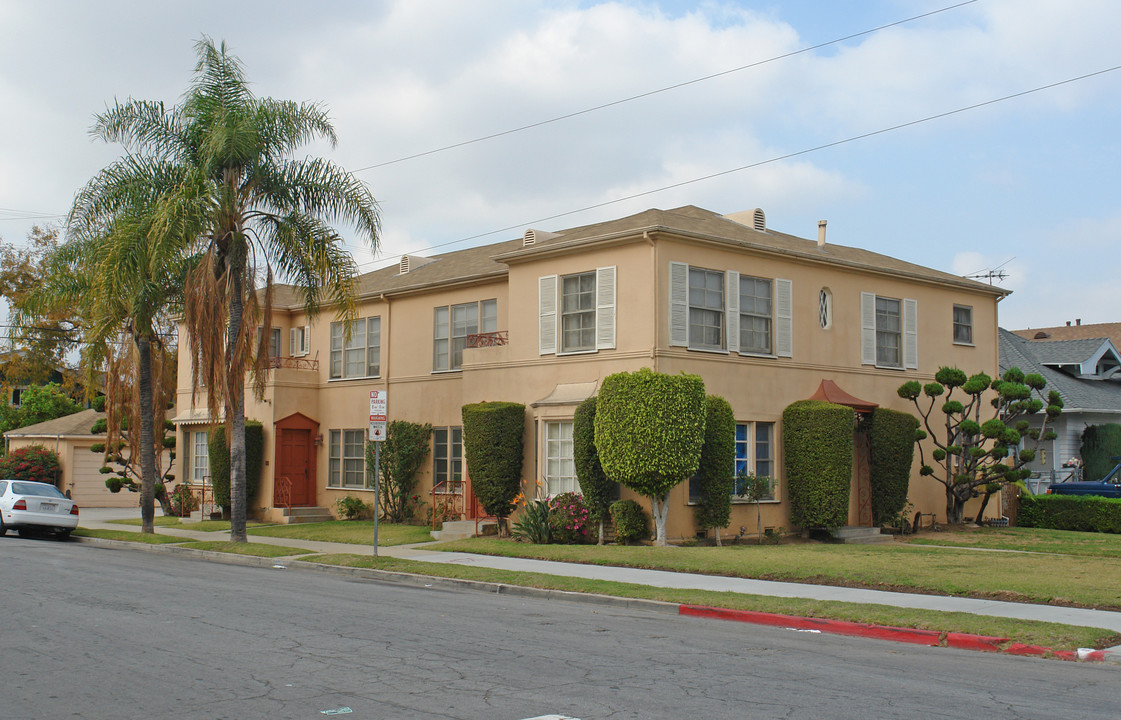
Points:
(25, 533)
(3, 527)
(64, 534)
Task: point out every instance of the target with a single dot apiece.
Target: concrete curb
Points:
(930, 638)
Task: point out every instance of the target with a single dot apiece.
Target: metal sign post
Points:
(379, 403)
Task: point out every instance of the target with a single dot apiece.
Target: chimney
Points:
(821, 233)
(1078, 321)
(1068, 323)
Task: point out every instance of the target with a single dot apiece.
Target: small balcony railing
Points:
(292, 363)
(490, 339)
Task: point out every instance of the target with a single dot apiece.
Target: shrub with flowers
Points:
(568, 518)
(33, 462)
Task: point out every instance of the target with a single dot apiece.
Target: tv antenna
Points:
(992, 274)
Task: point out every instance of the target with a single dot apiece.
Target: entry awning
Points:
(568, 394)
(829, 391)
(195, 417)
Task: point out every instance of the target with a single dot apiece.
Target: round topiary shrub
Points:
(629, 521)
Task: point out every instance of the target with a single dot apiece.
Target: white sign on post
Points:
(379, 403)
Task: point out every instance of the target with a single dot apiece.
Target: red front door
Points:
(294, 463)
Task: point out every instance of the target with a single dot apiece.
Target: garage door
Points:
(87, 485)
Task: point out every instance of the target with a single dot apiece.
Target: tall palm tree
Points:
(124, 280)
(252, 211)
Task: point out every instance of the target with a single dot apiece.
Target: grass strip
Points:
(129, 536)
(355, 532)
(201, 526)
(1032, 632)
(254, 549)
(1093, 582)
(1036, 540)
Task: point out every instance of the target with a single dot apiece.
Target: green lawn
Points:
(1074, 580)
(201, 526)
(255, 549)
(1052, 635)
(1063, 542)
(130, 536)
(357, 532)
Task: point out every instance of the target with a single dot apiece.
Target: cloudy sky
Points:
(1027, 184)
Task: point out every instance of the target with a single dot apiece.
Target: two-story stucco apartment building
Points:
(763, 317)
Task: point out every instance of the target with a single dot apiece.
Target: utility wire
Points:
(661, 90)
(778, 158)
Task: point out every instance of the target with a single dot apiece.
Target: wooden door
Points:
(294, 462)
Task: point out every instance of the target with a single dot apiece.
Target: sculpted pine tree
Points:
(248, 210)
(975, 451)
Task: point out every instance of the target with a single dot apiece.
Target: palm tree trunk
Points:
(236, 393)
(147, 437)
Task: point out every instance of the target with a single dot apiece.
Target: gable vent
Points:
(532, 237)
(759, 220)
(405, 264)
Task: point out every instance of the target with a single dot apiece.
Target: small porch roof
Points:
(829, 391)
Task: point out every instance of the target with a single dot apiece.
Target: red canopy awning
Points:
(829, 391)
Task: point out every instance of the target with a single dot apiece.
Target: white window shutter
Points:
(732, 303)
(784, 318)
(867, 328)
(293, 342)
(305, 340)
(547, 314)
(678, 304)
(605, 308)
(910, 334)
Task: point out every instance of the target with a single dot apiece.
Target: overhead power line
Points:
(768, 161)
(613, 103)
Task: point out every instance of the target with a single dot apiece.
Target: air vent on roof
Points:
(532, 237)
(404, 264)
(759, 220)
(412, 262)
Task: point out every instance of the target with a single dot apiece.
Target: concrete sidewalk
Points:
(100, 517)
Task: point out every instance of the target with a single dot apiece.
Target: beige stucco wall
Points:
(758, 388)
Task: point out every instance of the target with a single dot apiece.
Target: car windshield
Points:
(36, 489)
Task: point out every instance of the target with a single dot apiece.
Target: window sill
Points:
(770, 356)
(562, 353)
(447, 372)
(713, 351)
(964, 344)
(745, 501)
(354, 379)
(349, 489)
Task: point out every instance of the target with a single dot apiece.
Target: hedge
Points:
(1099, 443)
(817, 442)
(1084, 513)
(893, 452)
(220, 462)
(715, 473)
(493, 435)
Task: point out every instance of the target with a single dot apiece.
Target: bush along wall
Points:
(717, 466)
(817, 442)
(1099, 444)
(893, 452)
(1070, 512)
(219, 453)
(493, 435)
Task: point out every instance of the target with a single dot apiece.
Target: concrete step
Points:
(307, 515)
(851, 535)
(463, 529)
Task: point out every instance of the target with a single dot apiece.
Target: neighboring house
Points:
(1075, 331)
(70, 437)
(763, 317)
(1086, 373)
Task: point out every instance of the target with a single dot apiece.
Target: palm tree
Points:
(252, 211)
(124, 279)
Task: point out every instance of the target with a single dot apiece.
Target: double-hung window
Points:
(755, 455)
(360, 355)
(889, 331)
(451, 326)
(447, 459)
(576, 313)
(963, 324)
(346, 467)
(274, 340)
(756, 308)
(560, 466)
(706, 309)
(200, 457)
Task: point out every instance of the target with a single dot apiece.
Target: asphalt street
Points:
(103, 633)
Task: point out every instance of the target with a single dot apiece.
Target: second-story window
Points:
(578, 312)
(706, 309)
(889, 332)
(451, 326)
(963, 324)
(756, 309)
(360, 356)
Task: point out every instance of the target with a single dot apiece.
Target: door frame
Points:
(298, 421)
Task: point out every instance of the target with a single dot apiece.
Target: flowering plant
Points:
(568, 518)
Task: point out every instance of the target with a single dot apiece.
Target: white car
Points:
(29, 506)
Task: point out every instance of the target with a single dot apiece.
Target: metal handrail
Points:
(283, 495)
(488, 339)
(451, 497)
(294, 363)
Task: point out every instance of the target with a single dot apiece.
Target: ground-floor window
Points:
(447, 459)
(200, 457)
(560, 467)
(755, 454)
(346, 466)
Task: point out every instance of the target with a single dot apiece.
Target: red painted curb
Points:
(961, 641)
(967, 641)
(837, 627)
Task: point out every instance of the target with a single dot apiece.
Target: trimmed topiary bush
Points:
(629, 521)
(715, 473)
(493, 435)
(219, 454)
(1070, 512)
(649, 434)
(598, 491)
(893, 452)
(1099, 444)
(817, 442)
